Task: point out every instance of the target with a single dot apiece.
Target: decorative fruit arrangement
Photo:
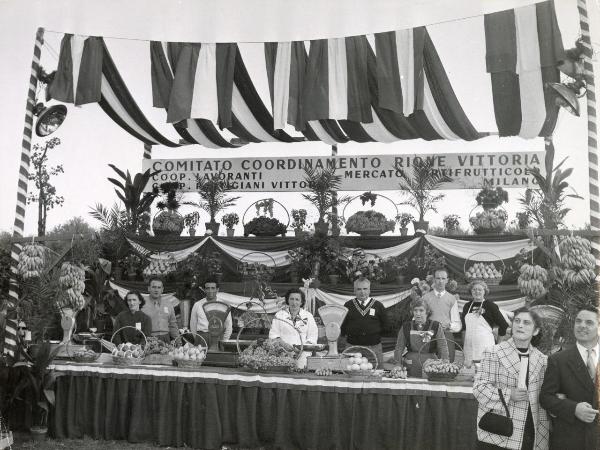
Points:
(324, 372)
(189, 352)
(265, 353)
(532, 280)
(31, 261)
(160, 267)
(168, 222)
(488, 221)
(128, 350)
(72, 282)
(577, 260)
(85, 353)
(440, 367)
(357, 362)
(399, 372)
(155, 346)
(483, 271)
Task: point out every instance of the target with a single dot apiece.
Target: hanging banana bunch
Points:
(577, 260)
(72, 283)
(31, 261)
(532, 281)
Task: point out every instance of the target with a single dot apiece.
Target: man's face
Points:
(440, 280)
(362, 289)
(155, 289)
(211, 290)
(586, 327)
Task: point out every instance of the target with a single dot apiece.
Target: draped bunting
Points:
(486, 251)
(524, 48)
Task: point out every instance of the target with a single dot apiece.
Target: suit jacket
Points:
(500, 370)
(568, 375)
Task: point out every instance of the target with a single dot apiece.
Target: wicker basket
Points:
(189, 364)
(364, 352)
(128, 360)
(437, 376)
(81, 359)
(471, 260)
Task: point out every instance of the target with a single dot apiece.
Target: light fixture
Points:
(49, 119)
(567, 93)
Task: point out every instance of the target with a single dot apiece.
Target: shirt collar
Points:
(584, 351)
(439, 293)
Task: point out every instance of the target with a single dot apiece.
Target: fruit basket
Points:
(157, 352)
(82, 354)
(128, 354)
(362, 363)
(489, 269)
(189, 356)
(440, 369)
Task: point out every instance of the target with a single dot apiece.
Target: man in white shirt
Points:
(444, 308)
(569, 391)
(198, 319)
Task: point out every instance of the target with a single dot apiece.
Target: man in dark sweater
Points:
(365, 321)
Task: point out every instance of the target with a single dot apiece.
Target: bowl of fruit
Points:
(440, 370)
(85, 355)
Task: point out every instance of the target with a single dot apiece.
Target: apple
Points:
(121, 353)
(355, 367)
(364, 360)
(364, 366)
(349, 367)
(369, 366)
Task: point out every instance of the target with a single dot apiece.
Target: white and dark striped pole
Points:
(147, 151)
(10, 339)
(588, 72)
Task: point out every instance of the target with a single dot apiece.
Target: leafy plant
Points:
(266, 205)
(230, 220)
(451, 222)
(213, 193)
(323, 185)
(114, 224)
(315, 252)
(264, 226)
(369, 220)
(418, 185)
(523, 220)
(191, 220)
(491, 198)
(299, 219)
(368, 197)
(404, 219)
(421, 265)
(170, 198)
(364, 265)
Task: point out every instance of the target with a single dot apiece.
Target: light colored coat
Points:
(500, 369)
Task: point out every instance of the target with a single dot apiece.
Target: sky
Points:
(90, 140)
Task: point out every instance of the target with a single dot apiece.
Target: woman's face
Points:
(294, 301)
(133, 302)
(523, 327)
(478, 292)
(420, 314)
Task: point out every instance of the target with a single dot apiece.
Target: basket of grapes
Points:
(440, 369)
(127, 353)
(189, 355)
(268, 355)
(158, 352)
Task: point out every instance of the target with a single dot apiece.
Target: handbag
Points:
(497, 423)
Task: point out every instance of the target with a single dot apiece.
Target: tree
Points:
(77, 235)
(46, 196)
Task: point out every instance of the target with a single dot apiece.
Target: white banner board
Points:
(359, 172)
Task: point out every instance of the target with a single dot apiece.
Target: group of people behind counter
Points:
(513, 376)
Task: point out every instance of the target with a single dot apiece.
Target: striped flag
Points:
(79, 73)
(523, 50)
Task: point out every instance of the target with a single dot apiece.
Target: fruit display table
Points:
(209, 407)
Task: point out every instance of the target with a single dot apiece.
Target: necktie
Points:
(439, 294)
(591, 363)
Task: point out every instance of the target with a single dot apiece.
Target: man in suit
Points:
(569, 392)
(444, 308)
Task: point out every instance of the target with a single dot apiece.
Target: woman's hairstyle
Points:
(419, 302)
(138, 295)
(537, 320)
(295, 291)
(472, 284)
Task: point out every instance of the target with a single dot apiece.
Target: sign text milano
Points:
(359, 172)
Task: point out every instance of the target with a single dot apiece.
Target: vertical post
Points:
(10, 341)
(335, 226)
(588, 73)
(147, 151)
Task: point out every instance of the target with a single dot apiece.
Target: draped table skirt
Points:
(208, 408)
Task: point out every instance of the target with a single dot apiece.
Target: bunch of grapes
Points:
(267, 353)
(324, 372)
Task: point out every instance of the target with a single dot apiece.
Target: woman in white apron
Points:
(479, 318)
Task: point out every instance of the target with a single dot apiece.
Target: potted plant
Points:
(168, 222)
(523, 220)
(451, 222)
(490, 198)
(323, 185)
(230, 220)
(299, 221)
(369, 223)
(418, 185)
(334, 268)
(191, 221)
(365, 265)
(403, 220)
(213, 193)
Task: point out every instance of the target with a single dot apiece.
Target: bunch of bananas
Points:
(532, 280)
(31, 261)
(72, 282)
(577, 261)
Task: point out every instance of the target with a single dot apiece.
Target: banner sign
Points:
(359, 172)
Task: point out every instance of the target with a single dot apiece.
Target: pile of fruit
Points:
(72, 283)
(31, 261)
(324, 372)
(128, 350)
(155, 346)
(488, 221)
(577, 260)
(160, 267)
(168, 222)
(266, 353)
(532, 280)
(399, 372)
(441, 367)
(188, 352)
(86, 354)
(357, 362)
(483, 271)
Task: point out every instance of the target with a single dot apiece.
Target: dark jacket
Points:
(129, 319)
(568, 375)
(364, 329)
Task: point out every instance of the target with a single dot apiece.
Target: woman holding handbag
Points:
(507, 386)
